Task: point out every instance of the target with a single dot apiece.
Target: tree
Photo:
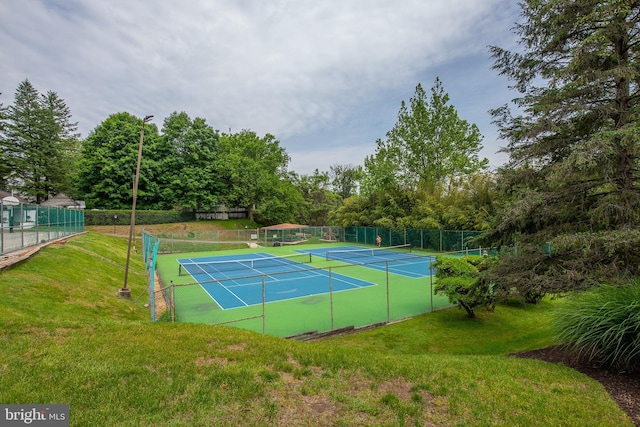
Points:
(108, 165)
(345, 179)
(574, 145)
(188, 155)
(40, 142)
(5, 168)
(284, 204)
(63, 138)
(462, 281)
(430, 142)
(319, 201)
(427, 154)
(354, 211)
(380, 170)
(251, 167)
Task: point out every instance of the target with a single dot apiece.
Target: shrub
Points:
(603, 323)
(461, 280)
(142, 217)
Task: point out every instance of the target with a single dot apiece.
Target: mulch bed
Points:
(623, 387)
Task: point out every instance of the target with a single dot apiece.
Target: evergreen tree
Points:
(5, 168)
(63, 143)
(574, 146)
(39, 143)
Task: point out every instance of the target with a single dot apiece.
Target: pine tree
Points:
(39, 142)
(574, 145)
(62, 142)
(5, 169)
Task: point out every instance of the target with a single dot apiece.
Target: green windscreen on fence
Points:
(24, 225)
(431, 240)
(150, 245)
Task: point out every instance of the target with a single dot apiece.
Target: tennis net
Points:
(390, 251)
(190, 268)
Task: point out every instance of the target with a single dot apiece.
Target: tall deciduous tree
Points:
(430, 150)
(251, 166)
(318, 199)
(284, 204)
(430, 142)
(40, 142)
(108, 165)
(574, 144)
(345, 179)
(188, 152)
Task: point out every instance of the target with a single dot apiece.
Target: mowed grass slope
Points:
(65, 337)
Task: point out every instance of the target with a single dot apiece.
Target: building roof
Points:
(285, 226)
(61, 200)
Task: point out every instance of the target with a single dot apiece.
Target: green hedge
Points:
(142, 217)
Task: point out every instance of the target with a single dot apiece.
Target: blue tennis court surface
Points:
(241, 284)
(399, 262)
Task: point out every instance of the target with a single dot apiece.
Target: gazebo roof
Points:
(63, 201)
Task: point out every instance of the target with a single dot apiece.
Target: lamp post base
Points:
(124, 293)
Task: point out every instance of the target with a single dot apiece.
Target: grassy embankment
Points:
(67, 338)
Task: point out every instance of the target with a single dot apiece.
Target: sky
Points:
(325, 77)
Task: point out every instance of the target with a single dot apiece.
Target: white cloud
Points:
(285, 67)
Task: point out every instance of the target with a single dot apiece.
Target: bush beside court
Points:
(67, 338)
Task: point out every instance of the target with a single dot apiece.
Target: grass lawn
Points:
(67, 338)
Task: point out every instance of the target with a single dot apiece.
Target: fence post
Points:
(1, 227)
(264, 314)
(388, 302)
(21, 225)
(331, 297)
(37, 221)
(172, 305)
(431, 281)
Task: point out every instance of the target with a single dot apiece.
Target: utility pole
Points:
(125, 292)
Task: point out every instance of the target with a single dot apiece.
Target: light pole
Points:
(125, 292)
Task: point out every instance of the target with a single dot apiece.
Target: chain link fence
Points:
(24, 225)
(429, 240)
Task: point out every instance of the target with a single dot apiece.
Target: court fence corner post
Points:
(172, 305)
(431, 282)
(264, 315)
(388, 298)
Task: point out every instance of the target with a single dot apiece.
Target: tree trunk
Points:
(470, 312)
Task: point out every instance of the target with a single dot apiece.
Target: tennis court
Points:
(303, 291)
(396, 259)
(234, 281)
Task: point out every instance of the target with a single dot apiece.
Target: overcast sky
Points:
(325, 77)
